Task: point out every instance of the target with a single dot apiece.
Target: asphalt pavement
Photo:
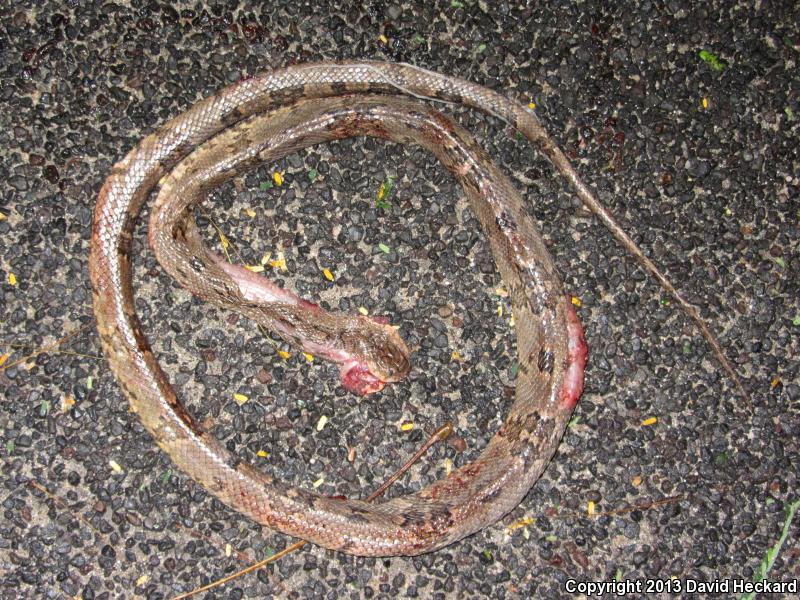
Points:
(683, 116)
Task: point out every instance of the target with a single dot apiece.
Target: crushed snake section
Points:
(216, 133)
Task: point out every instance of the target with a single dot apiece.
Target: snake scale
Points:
(264, 118)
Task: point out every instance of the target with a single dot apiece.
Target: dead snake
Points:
(234, 129)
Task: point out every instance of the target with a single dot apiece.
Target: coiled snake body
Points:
(263, 118)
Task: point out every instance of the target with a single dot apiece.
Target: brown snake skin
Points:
(549, 339)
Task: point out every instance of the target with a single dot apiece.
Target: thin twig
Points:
(223, 238)
(440, 434)
(45, 349)
(242, 556)
(61, 503)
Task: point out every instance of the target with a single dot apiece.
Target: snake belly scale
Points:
(263, 118)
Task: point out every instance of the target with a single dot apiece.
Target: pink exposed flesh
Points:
(256, 288)
(577, 354)
(357, 378)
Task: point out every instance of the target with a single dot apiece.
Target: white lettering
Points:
(624, 587)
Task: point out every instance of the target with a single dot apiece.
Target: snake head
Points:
(387, 355)
(380, 355)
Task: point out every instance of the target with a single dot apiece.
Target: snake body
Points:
(263, 118)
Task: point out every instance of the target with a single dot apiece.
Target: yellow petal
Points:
(328, 274)
(115, 466)
(363, 311)
(67, 402)
(279, 263)
(576, 301)
(650, 421)
(277, 178)
(318, 482)
(250, 212)
(284, 354)
(262, 454)
(406, 427)
(254, 268)
(309, 357)
(12, 279)
(524, 522)
(4, 358)
(323, 420)
(590, 507)
(240, 398)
